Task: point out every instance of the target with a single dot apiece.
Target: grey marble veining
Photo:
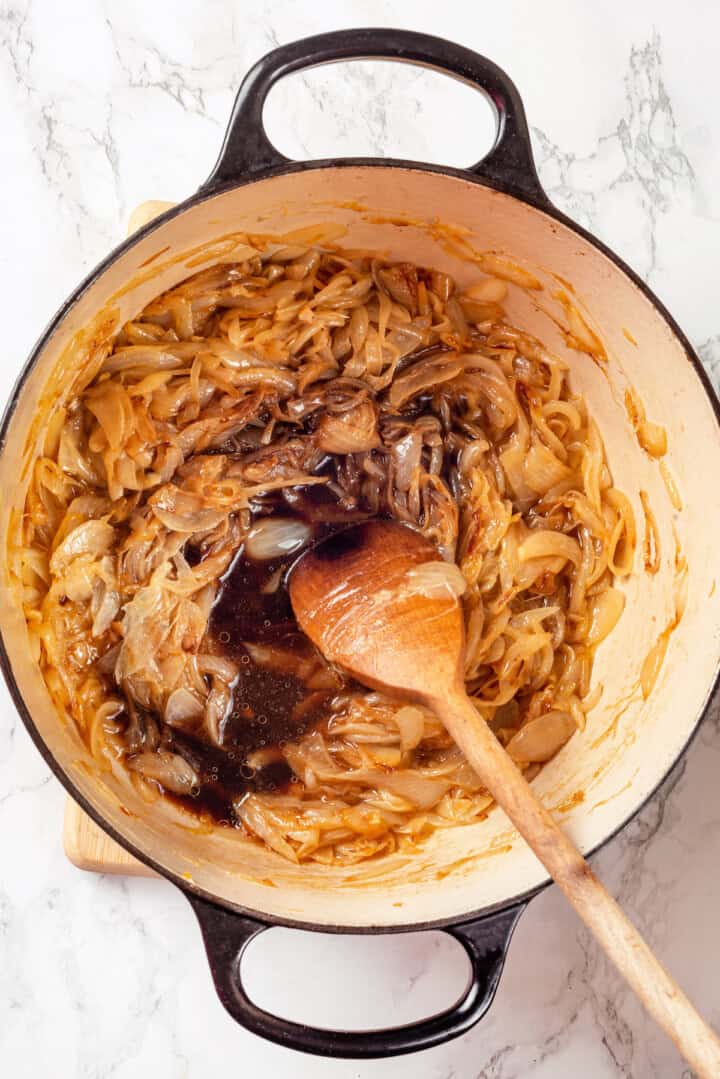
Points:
(106, 104)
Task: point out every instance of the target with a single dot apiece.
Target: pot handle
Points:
(227, 935)
(247, 150)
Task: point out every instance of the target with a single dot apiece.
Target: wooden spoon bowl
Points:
(353, 598)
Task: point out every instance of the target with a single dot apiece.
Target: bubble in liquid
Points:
(267, 623)
(246, 659)
(224, 637)
(246, 771)
(262, 719)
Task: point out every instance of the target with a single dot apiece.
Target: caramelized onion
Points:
(542, 469)
(418, 789)
(406, 455)
(651, 436)
(94, 538)
(422, 376)
(436, 580)
(604, 611)
(273, 537)
(252, 814)
(541, 738)
(277, 392)
(183, 709)
(489, 290)
(548, 544)
(353, 431)
(411, 724)
(168, 769)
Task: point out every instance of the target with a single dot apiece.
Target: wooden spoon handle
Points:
(622, 943)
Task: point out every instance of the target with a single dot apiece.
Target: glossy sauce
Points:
(271, 704)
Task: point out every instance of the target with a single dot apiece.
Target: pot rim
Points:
(205, 194)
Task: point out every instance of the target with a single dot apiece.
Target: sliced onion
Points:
(107, 608)
(106, 663)
(385, 756)
(352, 431)
(310, 755)
(273, 537)
(153, 357)
(257, 819)
(541, 738)
(652, 663)
(368, 821)
(436, 580)
(582, 333)
(278, 377)
(183, 709)
(423, 376)
(478, 311)
(653, 438)
(407, 339)
(489, 290)
(406, 456)
(547, 543)
(605, 610)
(512, 462)
(542, 468)
(420, 790)
(90, 538)
(112, 408)
(80, 580)
(411, 724)
(507, 270)
(401, 282)
(238, 359)
(168, 769)
(185, 511)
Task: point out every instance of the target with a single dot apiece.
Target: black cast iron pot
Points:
(473, 882)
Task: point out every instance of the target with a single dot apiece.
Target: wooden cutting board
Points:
(86, 845)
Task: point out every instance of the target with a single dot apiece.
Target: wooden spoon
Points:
(355, 598)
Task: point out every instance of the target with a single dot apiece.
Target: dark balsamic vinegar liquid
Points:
(271, 705)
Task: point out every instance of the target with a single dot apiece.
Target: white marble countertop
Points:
(104, 105)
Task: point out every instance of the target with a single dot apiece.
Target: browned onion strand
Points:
(204, 428)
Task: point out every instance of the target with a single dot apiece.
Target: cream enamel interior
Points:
(605, 772)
